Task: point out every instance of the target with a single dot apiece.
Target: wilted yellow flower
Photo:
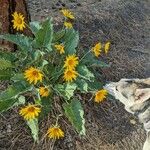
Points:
(70, 75)
(18, 21)
(68, 25)
(30, 112)
(55, 132)
(71, 62)
(44, 91)
(67, 13)
(97, 49)
(60, 48)
(33, 75)
(100, 95)
(107, 47)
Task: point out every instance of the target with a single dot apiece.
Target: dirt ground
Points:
(109, 127)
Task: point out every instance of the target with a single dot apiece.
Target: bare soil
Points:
(109, 127)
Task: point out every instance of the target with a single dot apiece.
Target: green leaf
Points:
(21, 101)
(71, 40)
(82, 85)
(33, 125)
(22, 41)
(35, 27)
(58, 36)
(46, 103)
(8, 98)
(7, 104)
(66, 90)
(7, 55)
(92, 61)
(74, 113)
(44, 35)
(5, 74)
(94, 86)
(85, 73)
(18, 77)
(5, 64)
(14, 90)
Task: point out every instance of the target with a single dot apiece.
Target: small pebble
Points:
(132, 121)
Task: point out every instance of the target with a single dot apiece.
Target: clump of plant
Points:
(46, 67)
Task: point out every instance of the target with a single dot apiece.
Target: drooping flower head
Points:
(55, 132)
(70, 75)
(100, 95)
(68, 25)
(107, 47)
(97, 49)
(67, 13)
(30, 112)
(60, 48)
(18, 21)
(33, 75)
(71, 62)
(44, 91)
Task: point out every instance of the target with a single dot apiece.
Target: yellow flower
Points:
(33, 75)
(67, 13)
(100, 95)
(55, 132)
(30, 112)
(71, 62)
(60, 48)
(68, 24)
(18, 21)
(107, 47)
(97, 49)
(70, 75)
(44, 91)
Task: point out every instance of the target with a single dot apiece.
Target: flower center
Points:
(70, 62)
(35, 73)
(99, 94)
(31, 109)
(69, 73)
(56, 130)
(45, 90)
(19, 21)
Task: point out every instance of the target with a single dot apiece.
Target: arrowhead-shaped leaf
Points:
(66, 90)
(85, 73)
(74, 112)
(44, 35)
(33, 125)
(5, 64)
(92, 61)
(82, 85)
(5, 74)
(20, 40)
(71, 39)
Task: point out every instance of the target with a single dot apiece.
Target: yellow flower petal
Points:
(97, 49)
(70, 75)
(67, 13)
(71, 62)
(18, 21)
(100, 95)
(30, 112)
(68, 25)
(107, 47)
(33, 75)
(55, 132)
(44, 91)
(60, 48)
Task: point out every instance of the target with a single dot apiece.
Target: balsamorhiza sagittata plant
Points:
(49, 65)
